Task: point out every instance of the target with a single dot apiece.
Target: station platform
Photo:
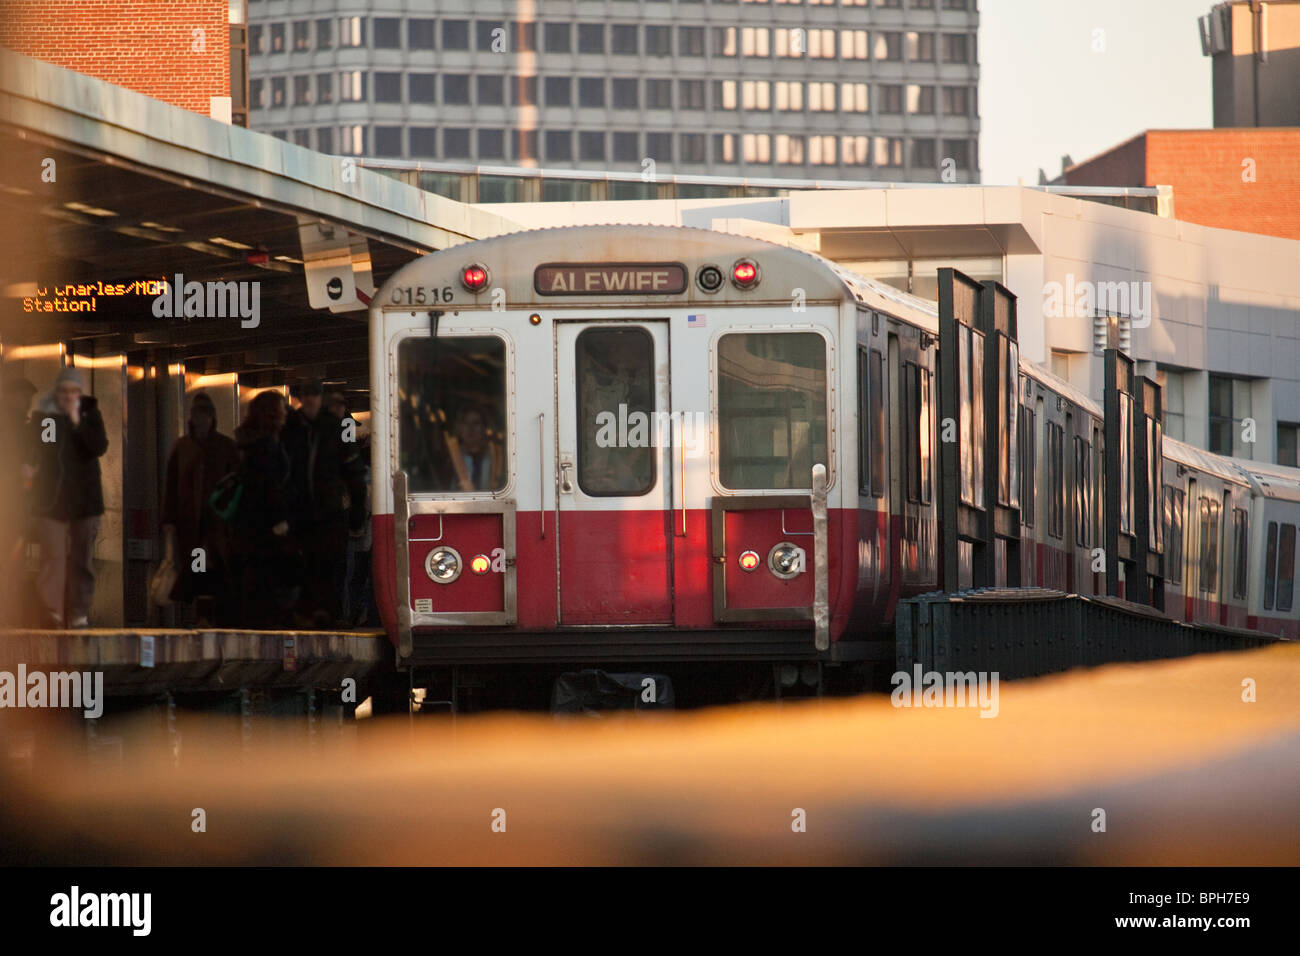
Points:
(1194, 761)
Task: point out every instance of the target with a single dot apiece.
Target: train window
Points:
(877, 422)
(1125, 463)
(1082, 458)
(1056, 480)
(1173, 521)
(925, 429)
(615, 381)
(771, 408)
(1028, 461)
(970, 373)
(1155, 440)
(864, 422)
(1008, 433)
(1209, 545)
(451, 426)
(1270, 566)
(1239, 553)
(1286, 567)
(911, 431)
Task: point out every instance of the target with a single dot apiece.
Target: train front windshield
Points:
(452, 414)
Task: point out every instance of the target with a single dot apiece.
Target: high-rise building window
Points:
(920, 99)
(424, 141)
(755, 95)
(1230, 405)
(855, 150)
(659, 147)
(559, 145)
(387, 33)
(891, 98)
(658, 94)
(388, 141)
(754, 41)
(958, 150)
(659, 41)
(419, 36)
(591, 146)
(889, 151)
(352, 86)
(853, 44)
(523, 90)
(854, 98)
(625, 93)
(558, 39)
(301, 43)
(888, 46)
(302, 91)
(422, 88)
(277, 38)
(486, 37)
(455, 89)
(352, 140)
(789, 150)
(623, 37)
(692, 147)
(591, 91)
(491, 144)
(690, 41)
(352, 33)
(523, 145)
(821, 97)
(1288, 444)
(923, 154)
(724, 41)
(956, 101)
(1172, 404)
(724, 148)
(626, 148)
(255, 95)
(525, 41)
(255, 40)
(756, 147)
(324, 41)
(724, 95)
(956, 48)
(491, 89)
(788, 96)
(277, 91)
(388, 87)
(690, 95)
(455, 143)
(591, 38)
(455, 34)
(956, 4)
(559, 91)
(324, 87)
(920, 47)
(325, 139)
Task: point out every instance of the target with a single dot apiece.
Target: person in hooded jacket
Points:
(198, 461)
(67, 498)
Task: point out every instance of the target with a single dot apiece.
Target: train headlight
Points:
(474, 277)
(749, 561)
(442, 565)
(480, 564)
(709, 278)
(786, 561)
(744, 274)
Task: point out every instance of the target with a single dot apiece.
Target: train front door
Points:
(614, 476)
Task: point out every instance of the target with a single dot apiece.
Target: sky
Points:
(1045, 92)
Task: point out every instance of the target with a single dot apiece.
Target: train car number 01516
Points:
(418, 295)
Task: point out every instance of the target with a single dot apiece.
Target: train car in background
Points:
(646, 447)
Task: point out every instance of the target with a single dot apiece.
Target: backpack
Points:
(225, 498)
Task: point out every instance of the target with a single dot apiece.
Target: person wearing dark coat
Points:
(67, 501)
(328, 477)
(14, 440)
(262, 555)
(198, 461)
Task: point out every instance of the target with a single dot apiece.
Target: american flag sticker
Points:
(695, 322)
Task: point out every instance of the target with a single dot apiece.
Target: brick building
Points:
(192, 54)
(1245, 178)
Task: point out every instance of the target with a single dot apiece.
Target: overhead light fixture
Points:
(229, 243)
(88, 210)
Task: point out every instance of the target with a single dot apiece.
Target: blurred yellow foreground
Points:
(1185, 770)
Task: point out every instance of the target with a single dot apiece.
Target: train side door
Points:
(613, 481)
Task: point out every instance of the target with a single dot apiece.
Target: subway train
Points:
(642, 447)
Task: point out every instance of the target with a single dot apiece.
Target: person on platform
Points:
(198, 461)
(18, 393)
(358, 599)
(326, 478)
(262, 554)
(67, 439)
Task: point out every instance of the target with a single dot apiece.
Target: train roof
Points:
(1203, 460)
(1271, 481)
(511, 261)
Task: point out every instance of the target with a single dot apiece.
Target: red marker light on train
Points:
(475, 278)
(480, 564)
(749, 561)
(744, 274)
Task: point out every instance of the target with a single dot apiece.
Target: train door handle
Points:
(566, 480)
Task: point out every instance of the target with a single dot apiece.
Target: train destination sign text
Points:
(610, 278)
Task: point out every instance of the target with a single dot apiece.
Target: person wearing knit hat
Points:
(67, 441)
(197, 463)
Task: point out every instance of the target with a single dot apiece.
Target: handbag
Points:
(225, 498)
(164, 577)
